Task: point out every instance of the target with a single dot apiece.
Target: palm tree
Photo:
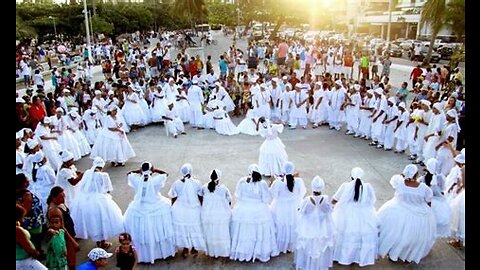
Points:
(456, 17)
(433, 13)
(196, 10)
(23, 30)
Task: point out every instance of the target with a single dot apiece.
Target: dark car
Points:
(394, 51)
(434, 59)
(445, 52)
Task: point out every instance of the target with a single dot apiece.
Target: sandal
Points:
(455, 243)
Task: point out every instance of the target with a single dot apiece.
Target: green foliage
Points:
(225, 14)
(456, 17)
(100, 25)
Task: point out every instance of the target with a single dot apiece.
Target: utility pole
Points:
(87, 30)
(389, 20)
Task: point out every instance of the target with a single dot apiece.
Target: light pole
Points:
(91, 26)
(389, 19)
(87, 30)
(54, 25)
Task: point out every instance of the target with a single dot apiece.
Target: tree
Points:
(22, 30)
(101, 26)
(456, 17)
(196, 10)
(433, 13)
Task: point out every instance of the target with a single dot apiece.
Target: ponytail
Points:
(428, 178)
(358, 185)
(34, 171)
(290, 182)
(211, 185)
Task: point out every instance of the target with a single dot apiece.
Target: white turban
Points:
(288, 167)
(186, 169)
(66, 155)
(98, 162)
(98, 92)
(425, 102)
(402, 105)
(370, 91)
(32, 143)
(357, 173)
(24, 131)
(195, 81)
(217, 172)
(410, 170)
(111, 92)
(284, 78)
(18, 135)
(356, 87)
(59, 110)
(38, 157)
(431, 165)
(19, 100)
(392, 100)
(253, 168)
(66, 91)
(378, 91)
(339, 82)
(318, 184)
(463, 151)
(438, 106)
(460, 158)
(73, 114)
(452, 113)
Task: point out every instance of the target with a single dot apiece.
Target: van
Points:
(202, 28)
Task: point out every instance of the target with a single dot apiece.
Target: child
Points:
(56, 245)
(126, 253)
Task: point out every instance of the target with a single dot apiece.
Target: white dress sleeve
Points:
(428, 193)
(132, 180)
(107, 183)
(173, 190)
(339, 192)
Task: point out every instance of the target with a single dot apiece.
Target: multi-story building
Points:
(372, 16)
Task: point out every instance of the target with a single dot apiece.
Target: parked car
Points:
(434, 59)
(445, 52)
(394, 51)
(406, 44)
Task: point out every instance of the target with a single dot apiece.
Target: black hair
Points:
(54, 192)
(358, 185)
(211, 185)
(34, 171)
(256, 176)
(428, 178)
(145, 167)
(20, 212)
(20, 180)
(125, 236)
(290, 182)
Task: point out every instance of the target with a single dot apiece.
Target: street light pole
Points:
(54, 26)
(87, 30)
(389, 19)
(91, 26)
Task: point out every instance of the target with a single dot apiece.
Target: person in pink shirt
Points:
(282, 53)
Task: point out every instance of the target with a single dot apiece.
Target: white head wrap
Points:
(59, 110)
(98, 162)
(111, 92)
(432, 165)
(356, 87)
(460, 158)
(186, 169)
(402, 105)
(453, 113)
(32, 143)
(38, 157)
(463, 151)
(438, 106)
(24, 131)
(18, 135)
(370, 91)
(66, 155)
(392, 100)
(284, 78)
(318, 184)
(410, 170)
(357, 173)
(425, 102)
(339, 82)
(19, 100)
(378, 91)
(253, 168)
(98, 92)
(288, 167)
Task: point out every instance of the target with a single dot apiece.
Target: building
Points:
(373, 16)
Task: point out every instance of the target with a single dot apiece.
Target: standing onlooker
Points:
(126, 253)
(56, 244)
(386, 63)
(402, 92)
(25, 251)
(416, 72)
(97, 258)
(223, 67)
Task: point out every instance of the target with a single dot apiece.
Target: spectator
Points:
(97, 258)
(25, 250)
(402, 92)
(416, 72)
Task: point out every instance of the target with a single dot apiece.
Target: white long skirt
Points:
(442, 213)
(158, 110)
(226, 127)
(188, 228)
(134, 114)
(216, 230)
(68, 142)
(52, 150)
(82, 143)
(151, 228)
(457, 222)
(247, 126)
(111, 146)
(146, 111)
(405, 233)
(272, 157)
(96, 216)
(285, 216)
(252, 232)
(357, 235)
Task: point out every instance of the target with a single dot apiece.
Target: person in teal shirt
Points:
(223, 67)
(402, 92)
